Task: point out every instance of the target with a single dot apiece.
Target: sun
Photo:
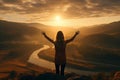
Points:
(58, 20)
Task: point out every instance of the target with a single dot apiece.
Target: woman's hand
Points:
(77, 32)
(43, 33)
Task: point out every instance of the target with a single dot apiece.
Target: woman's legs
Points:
(62, 69)
(57, 68)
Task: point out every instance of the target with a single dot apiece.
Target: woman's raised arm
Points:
(49, 39)
(71, 39)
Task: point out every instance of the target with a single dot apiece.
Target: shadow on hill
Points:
(32, 75)
(49, 76)
(53, 76)
(13, 75)
(44, 76)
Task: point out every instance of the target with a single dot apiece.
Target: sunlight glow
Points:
(58, 21)
(83, 22)
(58, 18)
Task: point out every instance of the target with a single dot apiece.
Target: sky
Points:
(70, 12)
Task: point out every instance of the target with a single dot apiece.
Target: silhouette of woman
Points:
(60, 52)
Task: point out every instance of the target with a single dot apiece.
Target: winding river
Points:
(35, 59)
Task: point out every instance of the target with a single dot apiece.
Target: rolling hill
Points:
(102, 43)
(110, 28)
(12, 31)
(18, 40)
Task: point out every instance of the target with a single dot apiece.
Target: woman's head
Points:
(59, 36)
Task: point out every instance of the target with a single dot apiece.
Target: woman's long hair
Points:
(59, 36)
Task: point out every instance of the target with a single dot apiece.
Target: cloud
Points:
(1, 18)
(93, 8)
(67, 8)
(12, 1)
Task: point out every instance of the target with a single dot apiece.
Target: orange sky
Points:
(79, 22)
(82, 22)
(76, 13)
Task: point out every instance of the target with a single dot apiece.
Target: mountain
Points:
(18, 41)
(113, 27)
(12, 31)
(102, 43)
(106, 36)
